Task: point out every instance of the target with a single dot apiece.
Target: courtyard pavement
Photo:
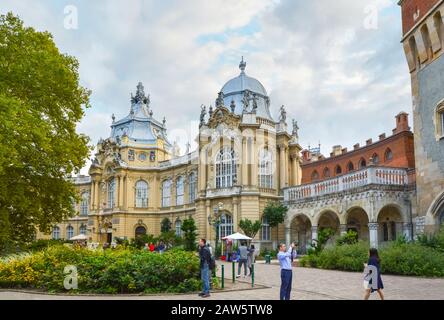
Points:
(308, 284)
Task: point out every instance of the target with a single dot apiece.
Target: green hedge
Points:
(109, 271)
(396, 258)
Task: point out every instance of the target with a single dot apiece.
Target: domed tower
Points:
(423, 41)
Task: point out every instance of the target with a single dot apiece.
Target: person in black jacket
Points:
(205, 260)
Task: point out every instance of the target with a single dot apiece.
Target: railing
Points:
(179, 160)
(367, 176)
(223, 192)
(81, 179)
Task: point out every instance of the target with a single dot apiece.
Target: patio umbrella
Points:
(237, 236)
(79, 237)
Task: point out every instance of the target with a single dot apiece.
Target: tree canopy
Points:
(249, 227)
(41, 102)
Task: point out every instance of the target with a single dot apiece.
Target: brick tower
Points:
(423, 41)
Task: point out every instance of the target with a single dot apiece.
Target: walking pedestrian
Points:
(284, 258)
(205, 260)
(251, 258)
(374, 260)
(243, 257)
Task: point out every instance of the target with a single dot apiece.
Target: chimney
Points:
(344, 150)
(402, 122)
(306, 155)
(337, 150)
(356, 146)
(381, 136)
(369, 142)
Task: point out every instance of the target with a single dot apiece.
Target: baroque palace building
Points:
(382, 190)
(137, 178)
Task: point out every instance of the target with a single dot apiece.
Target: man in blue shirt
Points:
(284, 258)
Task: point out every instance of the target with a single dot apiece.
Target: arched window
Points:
(266, 229)
(225, 226)
(141, 194)
(179, 191)
(439, 119)
(338, 170)
(178, 228)
(388, 155)
(84, 204)
(140, 231)
(69, 232)
(437, 19)
(326, 173)
(166, 193)
(82, 229)
(427, 42)
(56, 233)
(362, 163)
(265, 168)
(111, 192)
(350, 167)
(192, 187)
(375, 158)
(225, 168)
(314, 176)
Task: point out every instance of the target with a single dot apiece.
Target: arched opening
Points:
(326, 173)
(362, 163)
(389, 224)
(350, 167)
(330, 220)
(437, 19)
(300, 232)
(265, 168)
(140, 231)
(69, 232)
(375, 158)
(338, 170)
(178, 228)
(357, 220)
(141, 194)
(82, 229)
(84, 204)
(315, 176)
(388, 154)
(180, 190)
(111, 193)
(56, 233)
(426, 39)
(225, 168)
(414, 51)
(225, 226)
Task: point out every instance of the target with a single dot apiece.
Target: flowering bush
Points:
(109, 271)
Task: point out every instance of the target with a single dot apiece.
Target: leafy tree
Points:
(165, 225)
(323, 236)
(189, 234)
(41, 102)
(351, 237)
(275, 213)
(250, 228)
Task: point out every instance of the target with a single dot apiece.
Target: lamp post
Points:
(216, 219)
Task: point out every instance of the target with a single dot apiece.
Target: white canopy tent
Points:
(237, 236)
(80, 237)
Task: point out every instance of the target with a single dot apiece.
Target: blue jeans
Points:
(205, 276)
(286, 278)
(239, 266)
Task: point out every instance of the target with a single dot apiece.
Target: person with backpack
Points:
(243, 258)
(205, 262)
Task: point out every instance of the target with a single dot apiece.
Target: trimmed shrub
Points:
(109, 271)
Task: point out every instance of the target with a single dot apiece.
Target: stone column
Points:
(407, 230)
(286, 168)
(281, 166)
(314, 232)
(373, 230)
(97, 195)
(343, 229)
(92, 196)
(254, 163)
(244, 162)
(121, 192)
(208, 212)
(287, 236)
(235, 215)
(294, 171)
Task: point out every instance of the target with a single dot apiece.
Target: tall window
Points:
(266, 229)
(141, 194)
(82, 229)
(84, 205)
(388, 155)
(56, 233)
(192, 187)
(69, 232)
(166, 193)
(265, 169)
(178, 228)
(375, 158)
(111, 192)
(226, 226)
(179, 191)
(314, 176)
(362, 163)
(326, 173)
(350, 167)
(338, 170)
(225, 168)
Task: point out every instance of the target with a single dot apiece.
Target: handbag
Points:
(367, 278)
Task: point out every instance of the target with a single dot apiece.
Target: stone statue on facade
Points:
(295, 128)
(254, 102)
(246, 100)
(210, 111)
(283, 116)
(220, 99)
(203, 112)
(232, 106)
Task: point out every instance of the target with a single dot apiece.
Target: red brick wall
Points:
(400, 144)
(409, 8)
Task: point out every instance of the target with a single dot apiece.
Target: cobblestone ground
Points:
(308, 284)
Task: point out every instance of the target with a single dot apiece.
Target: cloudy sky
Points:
(337, 66)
